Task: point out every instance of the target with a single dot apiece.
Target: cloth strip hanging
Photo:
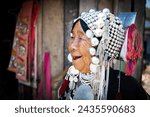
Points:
(33, 40)
(18, 62)
(23, 33)
(102, 82)
(23, 55)
(107, 81)
(32, 59)
(46, 80)
(134, 48)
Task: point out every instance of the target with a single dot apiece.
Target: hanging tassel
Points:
(95, 81)
(134, 48)
(101, 86)
(107, 82)
(119, 94)
(47, 78)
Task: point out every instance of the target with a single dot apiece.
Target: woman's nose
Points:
(75, 43)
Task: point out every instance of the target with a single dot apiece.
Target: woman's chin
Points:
(81, 68)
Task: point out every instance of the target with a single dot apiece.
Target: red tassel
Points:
(134, 48)
(47, 78)
(63, 87)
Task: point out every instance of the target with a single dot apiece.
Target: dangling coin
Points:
(75, 79)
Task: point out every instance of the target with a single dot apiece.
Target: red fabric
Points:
(22, 32)
(23, 55)
(42, 92)
(32, 36)
(63, 87)
(134, 48)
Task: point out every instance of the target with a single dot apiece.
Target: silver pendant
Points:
(71, 85)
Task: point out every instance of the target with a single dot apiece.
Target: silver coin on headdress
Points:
(91, 10)
(94, 41)
(93, 68)
(106, 10)
(69, 57)
(89, 34)
(73, 70)
(95, 60)
(92, 51)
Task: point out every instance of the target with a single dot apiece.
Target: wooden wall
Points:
(122, 6)
(105, 4)
(50, 27)
(139, 7)
(51, 34)
(85, 5)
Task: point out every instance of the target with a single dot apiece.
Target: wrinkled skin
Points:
(78, 46)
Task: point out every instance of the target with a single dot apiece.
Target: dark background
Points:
(8, 84)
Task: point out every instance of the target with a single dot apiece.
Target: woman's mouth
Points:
(76, 57)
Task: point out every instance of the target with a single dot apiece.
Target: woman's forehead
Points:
(81, 24)
(77, 28)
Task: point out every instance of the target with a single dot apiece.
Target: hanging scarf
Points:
(22, 56)
(33, 41)
(63, 88)
(23, 32)
(45, 91)
(134, 48)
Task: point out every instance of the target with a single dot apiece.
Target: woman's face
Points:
(78, 46)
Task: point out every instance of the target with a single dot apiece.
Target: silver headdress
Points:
(104, 25)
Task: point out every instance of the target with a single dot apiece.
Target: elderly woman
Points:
(96, 40)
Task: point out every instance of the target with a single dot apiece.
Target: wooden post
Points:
(115, 6)
(105, 4)
(121, 6)
(86, 5)
(70, 12)
(53, 30)
(139, 7)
